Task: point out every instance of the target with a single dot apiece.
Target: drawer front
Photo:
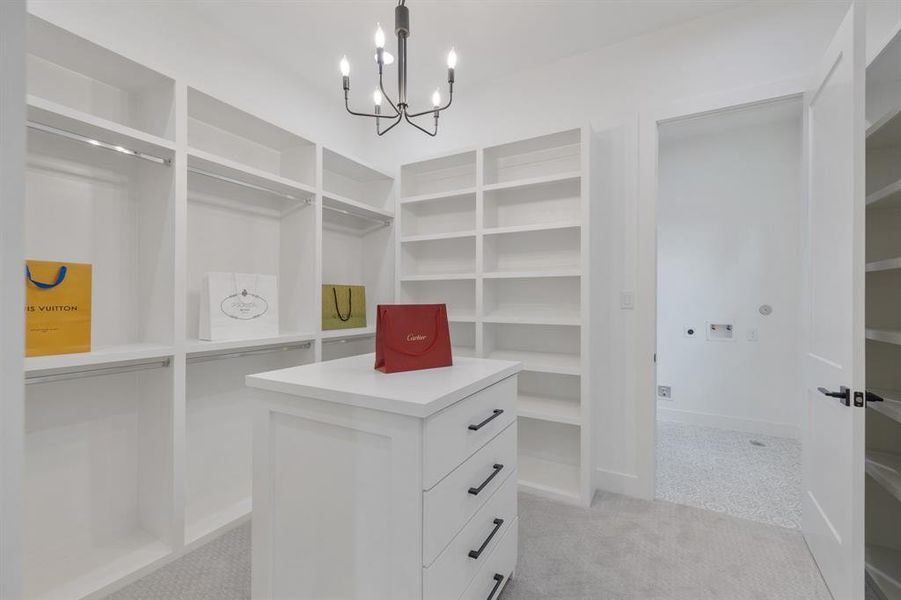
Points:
(468, 552)
(458, 431)
(490, 581)
(450, 504)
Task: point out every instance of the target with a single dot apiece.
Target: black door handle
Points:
(497, 527)
(498, 580)
(872, 397)
(497, 469)
(844, 394)
(497, 412)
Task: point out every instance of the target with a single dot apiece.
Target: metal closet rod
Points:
(97, 143)
(96, 372)
(383, 221)
(352, 338)
(242, 353)
(249, 186)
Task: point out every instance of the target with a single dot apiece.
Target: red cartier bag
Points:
(409, 337)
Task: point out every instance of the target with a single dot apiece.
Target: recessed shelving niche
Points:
(543, 204)
(533, 300)
(459, 295)
(556, 249)
(454, 214)
(438, 178)
(549, 156)
(438, 257)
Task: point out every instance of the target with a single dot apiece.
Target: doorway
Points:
(729, 414)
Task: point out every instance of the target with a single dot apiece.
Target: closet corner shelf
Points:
(556, 410)
(195, 347)
(563, 272)
(887, 336)
(889, 264)
(439, 277)
(541, 362)
(887, 197)
(450, 195)
(885, 469)
(530, 228)
(886, 131)
(531, 181)
(337, 334)
(453, 235)
(356, 207)
(217, 165)
(884, 568)
(99, 357)
(557, 480)
(46, 112)
(891, 406)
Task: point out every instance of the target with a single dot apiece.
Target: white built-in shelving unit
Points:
(500, 235)
(883, 315)
(139, 450)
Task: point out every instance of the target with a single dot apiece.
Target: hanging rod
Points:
(383, 221)
(242, 353)
(350, 338)
(97, 143)
(111, 370)
(249, 186)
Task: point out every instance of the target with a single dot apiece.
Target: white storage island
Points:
(394, 487)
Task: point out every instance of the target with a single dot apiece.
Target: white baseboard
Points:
(619, 483)
(786, 430)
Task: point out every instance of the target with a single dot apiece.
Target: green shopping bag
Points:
(343, 306)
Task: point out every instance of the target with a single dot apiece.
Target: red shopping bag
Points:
(409, 337)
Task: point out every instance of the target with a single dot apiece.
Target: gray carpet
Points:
(754, 477)
(618, 549)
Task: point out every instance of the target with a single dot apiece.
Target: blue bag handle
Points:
(60, 276)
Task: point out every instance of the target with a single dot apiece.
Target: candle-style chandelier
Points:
(383, 58)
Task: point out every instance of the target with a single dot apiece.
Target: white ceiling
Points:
(492, 37)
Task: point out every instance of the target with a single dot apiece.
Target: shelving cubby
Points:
(500, 235)
(883, 321)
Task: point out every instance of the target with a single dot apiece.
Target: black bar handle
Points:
(497, 527)
(498, 580)
(497, 412)
(844, 394)
(497, 469)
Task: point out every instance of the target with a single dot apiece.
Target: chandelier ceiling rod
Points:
(400, 108)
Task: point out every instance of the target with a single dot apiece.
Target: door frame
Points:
(650, 120)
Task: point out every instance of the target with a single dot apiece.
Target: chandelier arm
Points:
(386, 96)
(373, 115)
(390, 127)
(422, 129)
(450, 101)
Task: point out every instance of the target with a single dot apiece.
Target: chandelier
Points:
(400, 111)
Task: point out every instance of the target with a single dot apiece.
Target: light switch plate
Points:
(627, 300)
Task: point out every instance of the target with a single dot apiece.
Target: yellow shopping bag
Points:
(57, 308)
(343, 306)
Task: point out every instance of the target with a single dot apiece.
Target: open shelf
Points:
(98, 357)
(886, 131)
(522, 185)
(195, 347)
(549, 458)
(344, 177)
(97, 487)
(545, 408)
(348, 333)
(889, 264)
(345, 214)
(545, 203)
(69, 71)
(886, 197)
(438, 178)
(550, 397)
(884, 569)
(463, 339)
(438, 257)
(247, 144)
(541, 362)
(891, 406)
(440, 218)
(533, 274)
(529, 228)
(459, 295)
(555, 249)
(532, 160)
(541, 301)
(885, 468)
(449, 196)
(886, 336)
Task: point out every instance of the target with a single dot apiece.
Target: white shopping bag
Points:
(238, 306)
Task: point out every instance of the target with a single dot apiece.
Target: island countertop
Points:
(353, 381)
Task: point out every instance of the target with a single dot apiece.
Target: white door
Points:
(832, 312)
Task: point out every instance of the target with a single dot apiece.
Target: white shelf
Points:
(461, 318)
(98, 357)
(886, 131)
(549, 478)
(887, 336)
(889, 264)
(211, 524)
(451, 195)
(533, 274)
(463, 351)
(437, 236)
(891, 405)
(335, 334)
(884, 568)
(529, 228)
(75, 121)
(439, 277)
(541, 362)
(888, 196)
(511, 318)
(885, 468)
(557, 410)
(490, 187)
(355, 206)
(224, 167)
(195, 347)
(83, 573)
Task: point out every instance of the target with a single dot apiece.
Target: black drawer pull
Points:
(497, 469)
(498, 580)
(497, 527)
(497, 412)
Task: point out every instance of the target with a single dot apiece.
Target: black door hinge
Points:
(858, 399)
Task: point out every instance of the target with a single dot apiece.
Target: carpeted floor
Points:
(750, 476)
(619, 549)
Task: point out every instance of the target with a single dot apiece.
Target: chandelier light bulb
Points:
(379, 36)
(436, 98)
(377, 98)
(345, 67)
(452, 59)
(387, 57)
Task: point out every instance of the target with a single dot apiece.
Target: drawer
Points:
(458, 431)
(449, 505)
(458, 564)
(490, 581)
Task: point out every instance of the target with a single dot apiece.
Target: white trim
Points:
(746, 425)
(627, 484)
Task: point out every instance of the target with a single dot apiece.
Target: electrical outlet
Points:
(665, 392)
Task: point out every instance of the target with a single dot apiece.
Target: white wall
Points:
(728, 223)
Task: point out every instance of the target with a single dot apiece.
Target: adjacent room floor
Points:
(619, 549)
(745, 475)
